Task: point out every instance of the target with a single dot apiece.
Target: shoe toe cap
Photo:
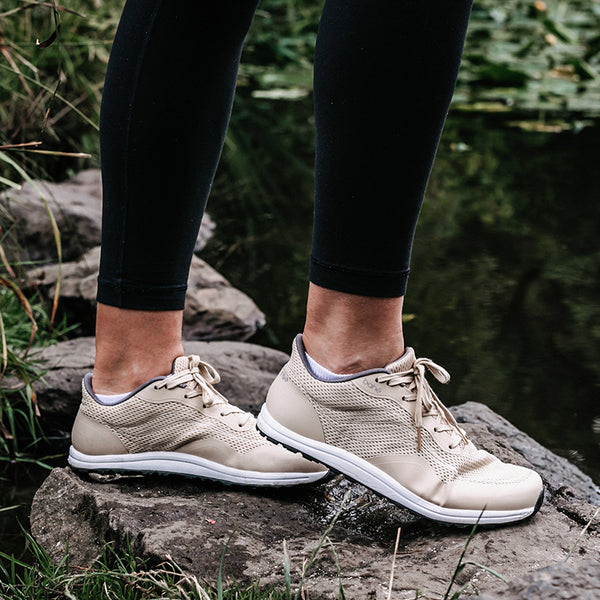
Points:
(517, 488)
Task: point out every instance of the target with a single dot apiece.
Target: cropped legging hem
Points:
(380, 284)
(136, 297)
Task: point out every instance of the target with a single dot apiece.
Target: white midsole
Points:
(367, 474)
(186, 464)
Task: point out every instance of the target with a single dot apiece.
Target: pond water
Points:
(504, 290)
(505, 279)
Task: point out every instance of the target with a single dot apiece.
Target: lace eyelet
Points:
(222, 414)
(185, 396)
(155, 387)
(377, 380)
(435, 429)
(403, 398)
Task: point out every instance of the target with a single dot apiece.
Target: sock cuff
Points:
(322, 372)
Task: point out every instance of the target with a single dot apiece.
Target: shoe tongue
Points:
(181, 363)
(404, 363)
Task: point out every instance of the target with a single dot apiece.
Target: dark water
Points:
(505, 282)
(504, 290)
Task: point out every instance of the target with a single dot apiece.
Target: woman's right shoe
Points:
(386, 429)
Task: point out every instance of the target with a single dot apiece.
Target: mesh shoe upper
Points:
(171, 412)
(180, 414)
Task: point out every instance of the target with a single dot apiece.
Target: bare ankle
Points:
(134, 346)
(346, 333)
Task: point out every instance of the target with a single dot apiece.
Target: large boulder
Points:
(195, 522)
(214, 309)
(77, 207)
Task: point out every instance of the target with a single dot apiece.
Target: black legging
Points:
(385, 72)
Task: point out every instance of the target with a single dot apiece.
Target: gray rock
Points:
(193, 521)
(214, 309)
(76, 205)
(564, 581)
(246, 371)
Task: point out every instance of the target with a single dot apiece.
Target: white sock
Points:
(110, 399)
(322, 372)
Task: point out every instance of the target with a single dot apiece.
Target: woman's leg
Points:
(385, 72)
(165, 109)
(351, 395)
(166, 105)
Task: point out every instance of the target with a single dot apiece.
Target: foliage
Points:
(19, 425)
(538, 56)
(114, 576)
(52, 93)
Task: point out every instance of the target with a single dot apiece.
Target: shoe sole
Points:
(359, 470)
(177, 463)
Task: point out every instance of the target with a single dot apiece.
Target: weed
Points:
(581, 534)
(463, 563)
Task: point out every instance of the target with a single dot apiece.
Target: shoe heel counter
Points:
(290, 407)
(91, 437)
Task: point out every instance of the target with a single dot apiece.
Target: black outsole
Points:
(132, 474)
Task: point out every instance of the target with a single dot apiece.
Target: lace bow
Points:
(202, 377)
(427, 402)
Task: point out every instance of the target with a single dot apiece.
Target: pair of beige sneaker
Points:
(384, 428)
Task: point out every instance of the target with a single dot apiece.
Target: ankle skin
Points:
(346, 333)
(133, 346)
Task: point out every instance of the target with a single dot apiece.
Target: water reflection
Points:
(506, 284)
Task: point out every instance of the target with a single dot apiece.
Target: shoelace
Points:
(427, 402)
(203, 376)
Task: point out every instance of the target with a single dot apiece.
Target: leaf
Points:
(47, 42)
(560, 32)
(286, 571)
(4, 347)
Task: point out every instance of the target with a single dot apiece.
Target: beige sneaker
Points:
(181, 424)
(386, 429)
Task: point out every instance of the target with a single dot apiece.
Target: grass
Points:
(20, 427)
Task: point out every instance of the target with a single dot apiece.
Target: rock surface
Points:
(193, 521)
(214, 309)
(246, 372)
(564, 581)
(77, 208)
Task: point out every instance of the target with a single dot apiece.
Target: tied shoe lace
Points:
(181, 424)
(386, 429)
